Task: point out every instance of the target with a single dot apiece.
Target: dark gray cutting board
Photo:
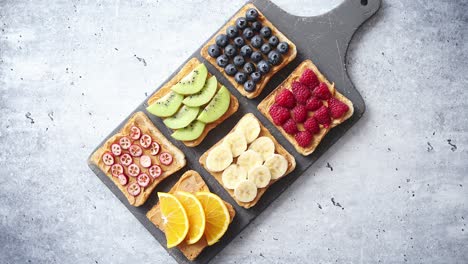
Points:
(324, 39)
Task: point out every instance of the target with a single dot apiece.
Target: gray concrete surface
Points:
(393, 190)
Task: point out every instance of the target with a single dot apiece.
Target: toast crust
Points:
(265, 105)
(287, 58)
(146, 126)
(187, 68)
(260, 191)
(191, 182)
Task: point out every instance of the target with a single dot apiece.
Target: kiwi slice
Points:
(166, 105)
(182, 118)
(191, 132)
(217, 106)
(205, 95)
(192, 82)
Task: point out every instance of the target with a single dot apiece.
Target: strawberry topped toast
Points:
(138, 158)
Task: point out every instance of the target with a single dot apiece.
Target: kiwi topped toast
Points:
(249, 50)
(192, 103)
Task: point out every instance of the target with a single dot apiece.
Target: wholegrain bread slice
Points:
(279, 149)
(186, 69)
(191, 182)
(146, 126)
(265, 105)
(287, 58)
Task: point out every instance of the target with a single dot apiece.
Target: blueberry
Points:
(222, 61)
(256, 76)
(241, 23)
(265, 32)
(240, 77)
(249, 86)
(239, 42)
(283, 47)
(256, 56)
(248, 33)
(249, 67)
(273, 41)
(263, 67)
(230, 69)
(230, 51)
(222, 40)
(214, 51)
(265, 48)
(256, 41)
(251, 14)
(246, 50)
(238, 61)
(232, 32)
(274, 57)
(256, 26)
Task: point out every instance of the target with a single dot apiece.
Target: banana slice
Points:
(278, 165)
(249, 159)
(245, 191)
(219, 158)
(233, 175)
(264, 146)
(260, 175)
(250, 127)
(236, 142)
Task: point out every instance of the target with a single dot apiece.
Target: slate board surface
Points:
(324, 39)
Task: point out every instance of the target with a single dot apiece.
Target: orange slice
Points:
(195, 214)
(175, 220)
(216, 215)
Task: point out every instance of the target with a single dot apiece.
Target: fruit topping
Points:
(250, 126)
(133, 170)
(182, 118)
(155, 171)
(322, 92)
(240, 77)
(125, 142)
(192, 82)
(263, 67)
(241, 23)
(260, 175)
(251, 14)
(135, 150)
(145, 141)
(155, 148)
(322, 115)
(126, 159)
(249, 86)
(239, 42)
(245, 191)
(145, 161)
(219, 158)
(238, 61)
(256, 56)
(195, 214)
(214, 51)
(165, 158)
(230, 70)
(205, 95)
(230, 51)
(263, 146)
(256, 41)
(303, 138)
(191, 132)
(134, 189)
(222, 61)
(301, 92)
(108, 158)
(166, 105)
(279, 114)
(299, 113)
(116, 169)
(273, 41)
(313, 104)
(337, 108)
(249, 68)
(236, 142)
(309, 78)
(265, 32)
(256, 26)
(290, 127)
(311, 125)
(256, 76)
(249, 159)
(277, 164)
(274, 57)
(217, 220)
(135, 133)
(232, 31)
(143, 180)
(116, 149)
(216, 107)
(246, 51)
(283, 47)
(175, 219)
(123, 179)
(266, 48)
(286, 99)
(222, 40)
(248, 33)
(233, 175)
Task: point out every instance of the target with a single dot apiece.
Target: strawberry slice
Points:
(116, 170)
(143, 180)
(123, 179)
(133, 170)
(126, 159)
(134, 189)
(108, 158)
(155, 148)
(165, 158)
(145, 161)
(135, 133)
(125, 142)
(145, 141)
(116, 149)
(135, 150)
(155, 171)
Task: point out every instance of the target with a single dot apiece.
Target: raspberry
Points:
(301, 92)
(311, 125)
(309, 78)
(286, 99)
(290, 127)
(279, 114)
(322, 91)
(303, 138)
(337, 108)
(322, 116)
(299, 113)
(313, 104)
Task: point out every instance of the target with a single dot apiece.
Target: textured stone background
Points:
(394, 189)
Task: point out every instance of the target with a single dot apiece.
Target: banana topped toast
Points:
(138, 158)
(249, 50)
(247, 161)
(305, 106)
(190, 182)
(192, 103)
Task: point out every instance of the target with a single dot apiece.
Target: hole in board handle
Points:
(364, 2)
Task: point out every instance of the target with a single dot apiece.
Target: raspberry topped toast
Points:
(138, 158)
(305, 107)
(249, 50)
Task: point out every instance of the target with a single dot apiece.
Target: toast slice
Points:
(140, 120)
(191, 182)
(287, 58)
(265, 105)
(279, 149)
(187, 68)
